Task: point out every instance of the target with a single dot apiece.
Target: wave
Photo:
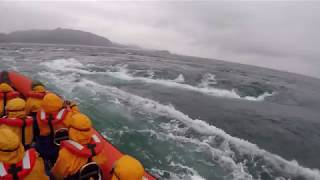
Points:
(223, 157)
(194, 176)
(9, 64)
(288, 169)
(179, 79)
(69, 85)
(70, 64)
(173, 176)
(123, 74)
(207, 80)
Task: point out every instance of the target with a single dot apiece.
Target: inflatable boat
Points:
(23, 84)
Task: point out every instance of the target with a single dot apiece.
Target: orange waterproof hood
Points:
(51, 103)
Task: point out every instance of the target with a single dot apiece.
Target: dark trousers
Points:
(47, 149)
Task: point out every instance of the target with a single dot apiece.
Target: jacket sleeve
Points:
(38, 171)
(67, 164)
(28, 106)
(60, 168)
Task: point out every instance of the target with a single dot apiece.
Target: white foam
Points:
(195, 175)
(26, 49)
(148, 72)
(204, 88)
(161, 172)
(122, 72)
(65, 81)
(69, 64)
(260, 97)
(224, 158)
(207, 80)
(116, 101)
(179, 79)
(59, 49)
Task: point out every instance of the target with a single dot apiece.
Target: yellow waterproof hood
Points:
(80, 128)
(11, 149)
(15, 104)
(128, 168)
(16, 108)
(39, 88)
(4, 87)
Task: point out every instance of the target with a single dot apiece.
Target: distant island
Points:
(56, 36)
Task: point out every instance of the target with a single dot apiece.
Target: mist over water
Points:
(186, 118)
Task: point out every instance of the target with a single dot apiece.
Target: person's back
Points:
(15, 162)
(18, 122)
(6, 92)
(83, 147)
(51, 117)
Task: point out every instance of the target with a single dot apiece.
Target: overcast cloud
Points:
(280, 35)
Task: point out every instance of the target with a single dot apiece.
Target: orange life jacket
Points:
(28, 121)
(19, 170)
(88, 150)
(37, 95)
(58, 117)
(9, 95)
(17, 122)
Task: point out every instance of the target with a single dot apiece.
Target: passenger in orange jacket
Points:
(127, 168)
(72, 106)
(18, 122)
(6, 92)
(35, 97)
(52, 116)
(15, 162)
(83, 148)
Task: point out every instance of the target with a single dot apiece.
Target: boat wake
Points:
(237, 158)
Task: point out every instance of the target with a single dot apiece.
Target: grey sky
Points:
(280, 35)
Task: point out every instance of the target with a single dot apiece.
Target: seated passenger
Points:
(15, 162)
(127, 168)
(34, 98)
(83, 148)
(6, 92)
(18, 122)
(51, 117)
(72, 106)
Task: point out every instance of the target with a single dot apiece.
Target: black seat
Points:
(60, 135)
(90, 171)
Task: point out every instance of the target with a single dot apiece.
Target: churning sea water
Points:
(184, 117)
